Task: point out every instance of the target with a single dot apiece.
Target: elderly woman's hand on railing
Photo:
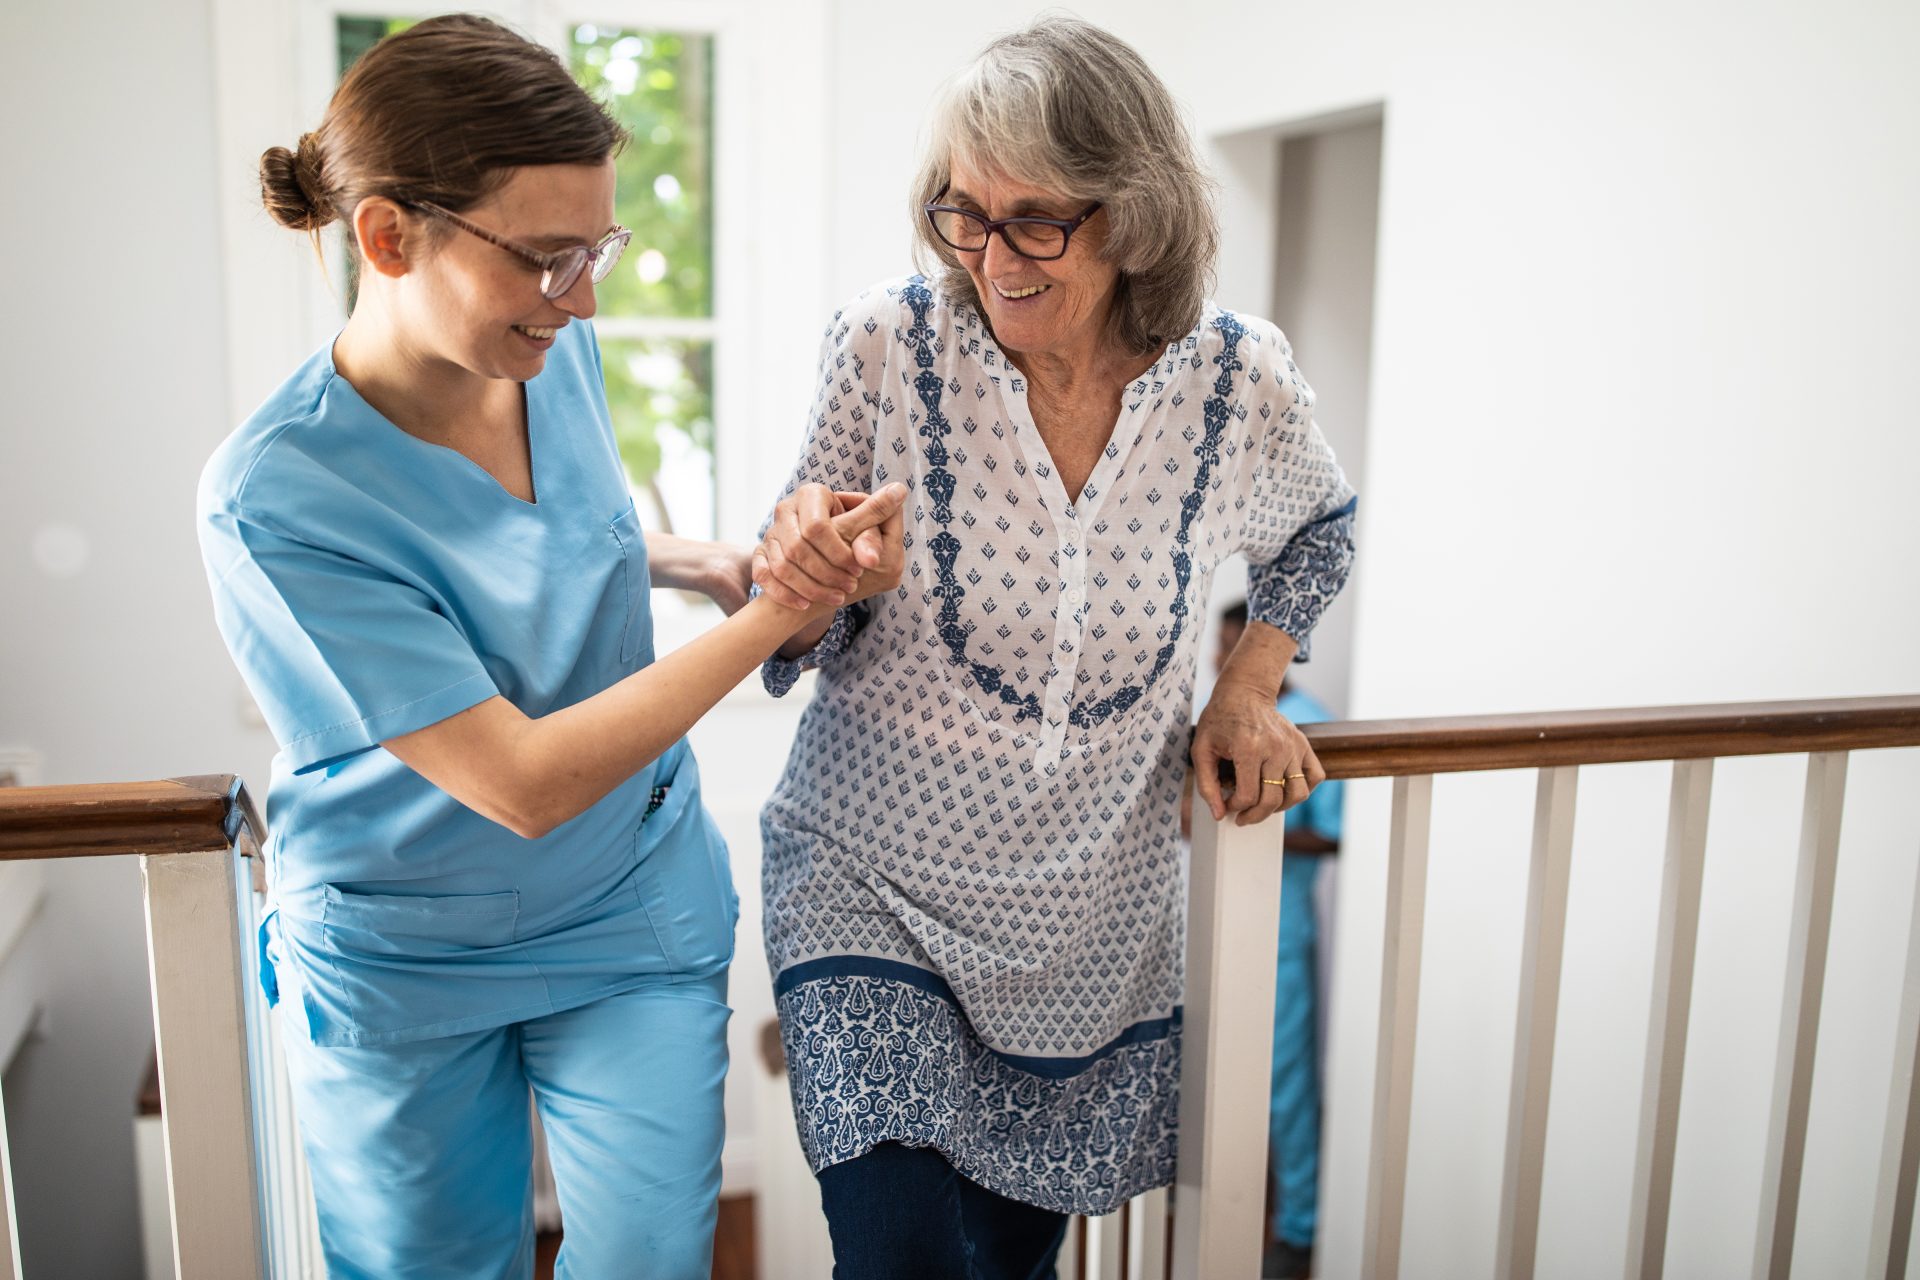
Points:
(1272, 766)
(830, 549)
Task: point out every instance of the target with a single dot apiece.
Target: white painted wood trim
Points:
(9, 1221)
(1147, 1236)
(1900, 1149)
(1233, 927)
(156, 1221)
(1532, 1083)
(291, 1224)
(1406, 901)
(655, 329)
(1108, 1234)
(1810, 923)
(206, 1098)
(1677, 934)
(1070, 1264)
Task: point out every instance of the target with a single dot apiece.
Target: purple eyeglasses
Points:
(1042, 239)
(558, 271)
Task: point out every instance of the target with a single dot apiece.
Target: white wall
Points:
(1646, 278)
(1328, 226)
(111, 355)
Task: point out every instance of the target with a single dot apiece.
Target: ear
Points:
(386, 236)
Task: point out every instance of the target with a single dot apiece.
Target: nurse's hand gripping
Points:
(820, 549)
(530, 775)
(808, 556)
(719, 571)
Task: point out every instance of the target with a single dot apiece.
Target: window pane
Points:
(353, 37)
(659, 84)
(660, 392)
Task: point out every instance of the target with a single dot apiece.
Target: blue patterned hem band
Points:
(934, 985)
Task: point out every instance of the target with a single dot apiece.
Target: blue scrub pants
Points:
(1293, 1120)
(422, 1153)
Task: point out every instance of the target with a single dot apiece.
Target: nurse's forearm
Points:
(575, 756)
(531, 775)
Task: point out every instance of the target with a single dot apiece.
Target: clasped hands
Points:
(825, 549)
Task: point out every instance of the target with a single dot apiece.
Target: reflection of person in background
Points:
(1293, 1152)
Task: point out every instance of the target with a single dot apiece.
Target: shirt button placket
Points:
(1069, 633)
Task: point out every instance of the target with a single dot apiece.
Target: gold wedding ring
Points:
(1274, 782)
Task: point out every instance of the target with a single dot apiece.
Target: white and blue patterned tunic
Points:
(974, 890)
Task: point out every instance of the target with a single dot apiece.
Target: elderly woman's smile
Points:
(1055, 307)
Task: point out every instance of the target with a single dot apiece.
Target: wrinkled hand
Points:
(826, 549)
(1240, 728)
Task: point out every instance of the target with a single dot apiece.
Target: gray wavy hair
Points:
(1069, 107)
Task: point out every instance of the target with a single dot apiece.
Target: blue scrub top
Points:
(1320, 811)
(369, 584)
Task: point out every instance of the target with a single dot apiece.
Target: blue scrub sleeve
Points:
(339, 655)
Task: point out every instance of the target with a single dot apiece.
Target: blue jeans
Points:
(1293, 1148)
(904, 1213)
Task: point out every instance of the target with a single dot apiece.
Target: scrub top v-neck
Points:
(370, 583)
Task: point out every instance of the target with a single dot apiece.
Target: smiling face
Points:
(1037, 308)
(474, 304)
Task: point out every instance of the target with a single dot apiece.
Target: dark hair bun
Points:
(290, 187)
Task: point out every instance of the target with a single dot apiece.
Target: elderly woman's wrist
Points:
(1251, 683)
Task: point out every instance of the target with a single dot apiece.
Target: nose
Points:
(998, 257)
(579, 300)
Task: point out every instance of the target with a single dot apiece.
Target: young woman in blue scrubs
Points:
(491, 871)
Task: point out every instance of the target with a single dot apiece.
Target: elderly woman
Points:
(973, 879)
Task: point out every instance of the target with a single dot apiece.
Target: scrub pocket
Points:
(636, 639)
(685, 886)
(389, 968)
(385, 925)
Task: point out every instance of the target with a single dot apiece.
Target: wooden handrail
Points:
(178, 815)
(182, 815)
(1397, 748)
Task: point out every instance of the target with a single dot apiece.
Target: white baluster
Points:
(292, 1230)
(1532, 1084)
(1399, 1015)
(1108, 1235)
(1072, 1262)
(206, 1105)
(9, 1223)
(1800, 1012)
(1147, 1236)
(1678, 931)
(1233, 930)
(1900, 1148)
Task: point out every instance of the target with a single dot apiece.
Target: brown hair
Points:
(438, 112)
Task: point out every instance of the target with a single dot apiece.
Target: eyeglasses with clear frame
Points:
(1041, 239)
(559, 271)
